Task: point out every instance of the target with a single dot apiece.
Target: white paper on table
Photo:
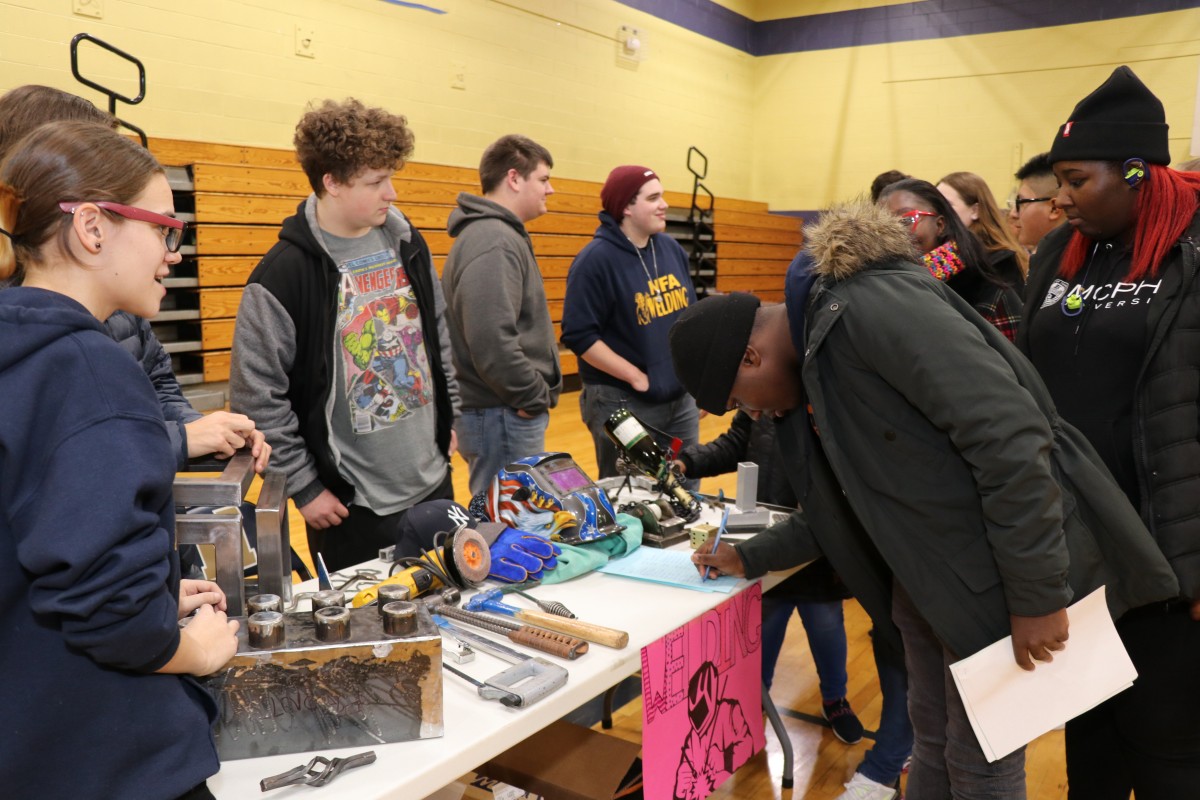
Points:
(1009, 707)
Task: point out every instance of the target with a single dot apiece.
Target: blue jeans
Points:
(947, 759)
(825, 627)
(677, 418)
(824, 624)
(491, 438)
(894, 739)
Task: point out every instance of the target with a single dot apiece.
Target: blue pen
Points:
(717, 543)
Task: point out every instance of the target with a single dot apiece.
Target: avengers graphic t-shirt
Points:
(1088, 341)
(383, 419)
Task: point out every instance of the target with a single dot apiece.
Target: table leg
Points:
(785, 743)
(606, 720)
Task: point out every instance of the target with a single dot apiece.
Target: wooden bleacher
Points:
(241, 195)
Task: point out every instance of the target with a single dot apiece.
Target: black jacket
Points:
(946, 466)
(750, 440)
(303, 279)
(1167, 400)
(745, 440)
(137, 338)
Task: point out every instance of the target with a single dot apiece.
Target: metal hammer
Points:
(552, 642)
(490, 601)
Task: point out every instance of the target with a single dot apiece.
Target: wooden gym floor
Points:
(822, 763)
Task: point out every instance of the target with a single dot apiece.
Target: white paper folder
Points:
(1009, 707)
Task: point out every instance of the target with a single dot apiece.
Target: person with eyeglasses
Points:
(91, 596)
(1033, 213)
(192, 434)
(1112, 324)
(955, 255)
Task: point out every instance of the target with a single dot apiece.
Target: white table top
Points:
(477, 729)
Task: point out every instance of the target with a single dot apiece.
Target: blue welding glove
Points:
(519, 556)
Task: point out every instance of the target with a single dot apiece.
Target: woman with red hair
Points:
(1113, 325)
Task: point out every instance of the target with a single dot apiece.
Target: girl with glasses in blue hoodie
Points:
(96, 664)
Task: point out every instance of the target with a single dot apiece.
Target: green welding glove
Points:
(575, 560)
(519, 556)
(616, 545)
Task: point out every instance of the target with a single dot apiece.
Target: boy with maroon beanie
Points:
(624, 291)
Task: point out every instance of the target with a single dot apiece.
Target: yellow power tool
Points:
(464, 559)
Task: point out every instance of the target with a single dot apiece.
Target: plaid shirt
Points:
(1002, 309)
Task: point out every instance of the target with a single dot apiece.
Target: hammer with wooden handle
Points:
(490, 601)
(555, 643)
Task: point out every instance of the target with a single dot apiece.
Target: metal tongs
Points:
(317, 772)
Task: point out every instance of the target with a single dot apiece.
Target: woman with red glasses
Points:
(1113, 326)
(955, 255)
(90, 592)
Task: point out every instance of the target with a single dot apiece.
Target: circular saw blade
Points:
(470, 555)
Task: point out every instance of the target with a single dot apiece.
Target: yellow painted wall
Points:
(826, 122)
(226, 71)
(798, 131)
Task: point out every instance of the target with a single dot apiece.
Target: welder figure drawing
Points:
(718, 739)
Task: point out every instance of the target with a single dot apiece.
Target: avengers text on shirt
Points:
(379, 326)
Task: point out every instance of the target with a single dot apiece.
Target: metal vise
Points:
(224, 531)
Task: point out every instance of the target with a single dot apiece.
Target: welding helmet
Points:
(703, 695)
(528, 496)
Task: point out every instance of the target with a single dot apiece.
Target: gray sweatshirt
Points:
(500, 330)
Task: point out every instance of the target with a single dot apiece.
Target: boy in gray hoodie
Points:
(501, 335)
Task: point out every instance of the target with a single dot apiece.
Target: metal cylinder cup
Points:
(265, 629)
(399, 618)
(333, 623)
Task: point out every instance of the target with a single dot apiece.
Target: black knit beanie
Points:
(1121, 119)
(707, 342)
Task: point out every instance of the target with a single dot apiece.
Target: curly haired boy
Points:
(354, 464)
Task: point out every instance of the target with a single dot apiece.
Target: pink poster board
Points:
(702, 700)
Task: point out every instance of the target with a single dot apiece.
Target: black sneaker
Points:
(843, 721)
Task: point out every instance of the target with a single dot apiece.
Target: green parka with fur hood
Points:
(940, 458)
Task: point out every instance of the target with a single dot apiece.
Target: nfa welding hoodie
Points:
(629, 299)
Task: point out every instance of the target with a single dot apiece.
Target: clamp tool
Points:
(523, 684)
(549, 606)
(317, 772)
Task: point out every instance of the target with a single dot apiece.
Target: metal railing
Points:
(111, 94)
(702, 260)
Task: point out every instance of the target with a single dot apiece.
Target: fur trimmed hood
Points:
(851, 236)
